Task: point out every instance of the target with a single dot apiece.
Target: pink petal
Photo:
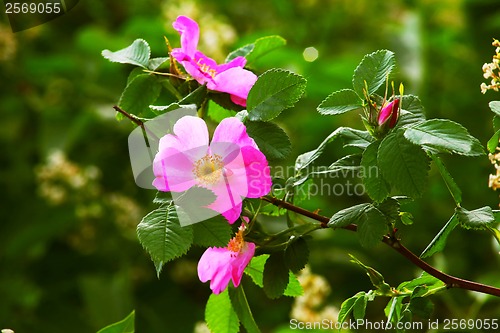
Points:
(257, 172)
(233, 214)
(228, 201)
(214, 265)
(236, 62)
(232, 130)
(238, 100)
(235, 81)
(190, 33)
(191, 133)
(241, 262)
(173, 171)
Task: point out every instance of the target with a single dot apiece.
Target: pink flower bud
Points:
(389, 113)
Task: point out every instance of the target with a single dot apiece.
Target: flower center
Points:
(208, 169)
(206, 68)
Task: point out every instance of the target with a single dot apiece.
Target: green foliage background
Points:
(70, 260)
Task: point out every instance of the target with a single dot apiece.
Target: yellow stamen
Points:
(237, 242)
(208, 169)
(206, 69)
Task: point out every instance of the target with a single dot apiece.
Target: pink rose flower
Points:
(220, 265)
(229, 78)
(231, 166)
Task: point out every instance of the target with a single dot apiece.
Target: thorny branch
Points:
(394, 243)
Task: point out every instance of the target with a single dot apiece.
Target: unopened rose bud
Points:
(389, 113)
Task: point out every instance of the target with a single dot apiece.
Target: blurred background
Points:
(70, 260)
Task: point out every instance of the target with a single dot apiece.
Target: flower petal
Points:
(232, 130)
(257, 172)
(173, 171)
(241, 262)
(190, 34)
(233, 214)
(235, 81)
(228, 201)
(236, 62)
(191, 133)
(215, 265)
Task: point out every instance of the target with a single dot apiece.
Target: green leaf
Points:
(155, 63)
(393, 309)
(255, 270)
(406, 218)
(347, 165)
(423, 280)
(355, 138)
(220, 314)
(297, 255)
(351, 137)
(275, 275)
(257, 49)
(293, 288)
(495, 107)
(162, 198)
(217, 113)
(340, 102)
(126, 325)
(162, 236)
(374, 69)
(240, 52)
(270, 138)
(496, 122)
(136, 54)
(444, 136)
(139, 94)
(213, 232)
(264, 45)
(359, 308)
(495, 232)
(242, 309)
(347, 216)
(412, 111)
(477, 219)
(372, 228)
(390, 209)
(421, 306)
(493, 142)
(348, 306)
(376, 278)
(274, 91)
(455, 191)
(197, 96)
(375, 185)
(403, 164)
(439, 242)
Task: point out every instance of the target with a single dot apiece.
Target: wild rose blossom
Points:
(230, 78)
(389, 113)
(220, 265)
(231, 166)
